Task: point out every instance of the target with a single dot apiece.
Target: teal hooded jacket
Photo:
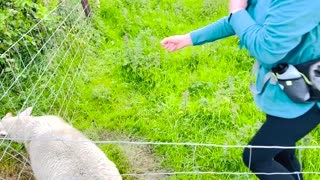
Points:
(273, 31)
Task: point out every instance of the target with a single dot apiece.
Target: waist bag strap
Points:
(266, 78)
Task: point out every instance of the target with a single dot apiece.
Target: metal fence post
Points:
(86, 7)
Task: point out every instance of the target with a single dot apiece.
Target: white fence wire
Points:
(50, 52)
(59, 54)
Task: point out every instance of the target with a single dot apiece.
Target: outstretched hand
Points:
(174, 43)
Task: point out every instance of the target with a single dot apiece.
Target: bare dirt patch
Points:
(142, 161)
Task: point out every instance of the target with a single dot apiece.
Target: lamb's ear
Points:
(26, 112)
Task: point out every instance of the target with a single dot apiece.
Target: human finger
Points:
(172, 47)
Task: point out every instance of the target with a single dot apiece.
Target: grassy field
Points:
(132, 89)
(136, 90)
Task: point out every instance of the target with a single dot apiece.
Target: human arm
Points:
(217, 30)
(285, 24)
(212, 32)
(174, 43)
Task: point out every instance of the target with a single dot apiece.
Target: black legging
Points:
(279, 132)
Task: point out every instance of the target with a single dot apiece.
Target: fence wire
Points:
(42, 67)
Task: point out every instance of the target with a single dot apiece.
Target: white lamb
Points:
(57, 150)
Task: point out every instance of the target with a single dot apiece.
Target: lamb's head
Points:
(15, 126)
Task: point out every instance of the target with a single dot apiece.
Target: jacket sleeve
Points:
(285, 24)
(217, 30)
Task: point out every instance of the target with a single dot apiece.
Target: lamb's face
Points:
(14, 126)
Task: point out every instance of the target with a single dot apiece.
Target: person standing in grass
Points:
(273, 32)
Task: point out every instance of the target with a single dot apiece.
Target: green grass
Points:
(200, 94)
(130, 88)
(139, 90)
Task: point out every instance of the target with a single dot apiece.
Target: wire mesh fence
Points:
(41, 70)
